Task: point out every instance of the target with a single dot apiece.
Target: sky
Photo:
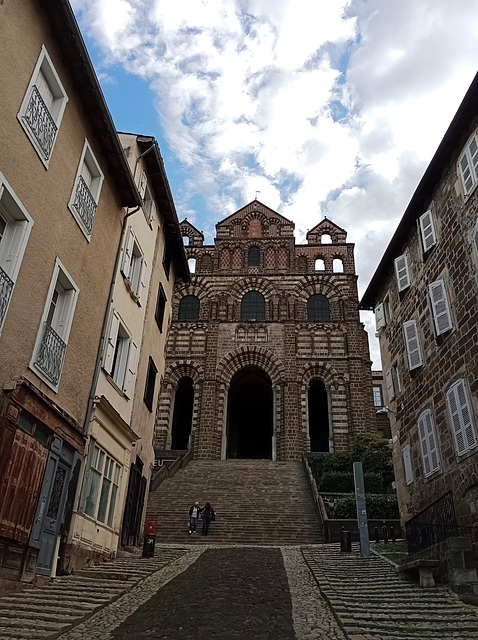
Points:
(318, 107)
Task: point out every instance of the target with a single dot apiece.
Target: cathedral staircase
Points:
(257, 502)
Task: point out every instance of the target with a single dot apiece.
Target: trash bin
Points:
(149, 539)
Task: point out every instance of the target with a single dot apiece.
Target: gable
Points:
(327, 227)
(255, 220)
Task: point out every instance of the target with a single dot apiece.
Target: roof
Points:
(69, 39)
(160, 185)
(261, 205)
(191, 226)
(452, 140)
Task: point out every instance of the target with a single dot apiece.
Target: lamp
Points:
(384, 411)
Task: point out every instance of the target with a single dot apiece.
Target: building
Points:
(64, 183)
(117, 468)
(266, 355)
(424, 293)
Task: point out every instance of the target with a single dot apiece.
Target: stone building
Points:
(266, 355)
(424, 293)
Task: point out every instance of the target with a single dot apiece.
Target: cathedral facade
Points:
(266, 354)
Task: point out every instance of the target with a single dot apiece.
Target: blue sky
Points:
(326, 107)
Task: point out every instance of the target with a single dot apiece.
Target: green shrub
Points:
(343, 482)
(379, 507)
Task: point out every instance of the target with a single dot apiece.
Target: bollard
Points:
(149, 539)
(377, 535)
(345, 541)
(392, 533)
(385, 532)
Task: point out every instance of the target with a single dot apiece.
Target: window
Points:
(390, 385)
(468, 164)
(325, 239)
(103, 482)
(380, 316)
(426, 430)
(86, 191)
(160, 307)
(120, 356)
(318, 308)
(15, 227)
(166, 261)
(412, 344)
(253, 306)
(134, 267)
(192, 265)
(427, 230)
(189, 308)
(338, 265)
(150, 383)
(396, 375)
(186, 241)
(254, 257)
(143, 182)
(407, 464)
(42, 107)
(461, 417)
(401, 270)
(149, 207)
(319, 265)
(377, 397)
(440, 307)
(52, 339)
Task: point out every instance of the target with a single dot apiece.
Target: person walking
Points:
(194, 512)
(208, 514)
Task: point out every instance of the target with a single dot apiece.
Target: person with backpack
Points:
(194, 512)
(208, 514)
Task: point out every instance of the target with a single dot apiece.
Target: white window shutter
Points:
(422, 431)
(380, 316)
(142, 281)
(152, 211)
(466, 174)
(412, 344)
(401, 270)
(465, 415)
(440, 307)
(390, 385)
(455, 413)
(44, 89)
(427, 229)
(68, 300)
(432, 445)
(86, 175)
(111, 344)
(130, 377)
(407, 464)
(397, 378)
(14, 247)
(142, 184)
(128, 252)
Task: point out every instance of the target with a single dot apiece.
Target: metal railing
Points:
(40, 122)
(6, 286)
(51, 353)
(85, 204)
(432, 525)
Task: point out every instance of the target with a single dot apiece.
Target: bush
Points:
(343, 482)
(379, 507)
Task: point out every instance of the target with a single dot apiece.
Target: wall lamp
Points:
(384, 411)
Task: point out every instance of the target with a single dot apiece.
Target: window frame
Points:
(44, 65)
(255, 252)
(427, 231)
(18, 226)
(403, 279)
(469, 440)
(259, 317)
(122, 371)
(185, 317)
(98, 470)
(442, 319)
(89, 160)
(407, 464)
(134, 267)
(412, 365)
(160, 310)
(390, 384)
(471, 165)
(150, 385)
(428, 443)
(322, 314)
(61, 279)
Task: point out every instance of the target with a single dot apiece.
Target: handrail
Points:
(168, 471)
(319, 503)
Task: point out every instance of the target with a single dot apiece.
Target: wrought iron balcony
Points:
(40, 122)
(6, 286)
(51, 353)
(85, 204)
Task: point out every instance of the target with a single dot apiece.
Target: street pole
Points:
(361, 510)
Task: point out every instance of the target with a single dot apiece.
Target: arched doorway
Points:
(250, 415)
(318, 416)
(183, 414)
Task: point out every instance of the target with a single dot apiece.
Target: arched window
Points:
(302, 264)
(318, 308)
(326, 239)
(253, 306)
(188, 308)
(186, 241)
(192, 265)
(254, 257)
(338, 265)
(319, 265)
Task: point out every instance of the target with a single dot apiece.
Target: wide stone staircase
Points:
(47, 611)
(372, 602)
(257, 502)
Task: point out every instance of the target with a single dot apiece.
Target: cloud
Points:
(323, 106)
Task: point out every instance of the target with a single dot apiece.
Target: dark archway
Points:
(250, 415)
(183, 414)
(318, 416)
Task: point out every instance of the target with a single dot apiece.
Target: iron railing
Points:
(40, 122)
(6, 286)
(434, 524)
(85, 204)
(51, 353)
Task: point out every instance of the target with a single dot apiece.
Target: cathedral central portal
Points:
(250, 415)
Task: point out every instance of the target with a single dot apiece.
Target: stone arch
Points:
(183, 369)
(250, 356)
(263, 285)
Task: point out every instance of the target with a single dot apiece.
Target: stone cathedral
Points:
(266, 354)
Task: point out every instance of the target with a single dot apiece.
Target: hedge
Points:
(379, 507)
(343, 482)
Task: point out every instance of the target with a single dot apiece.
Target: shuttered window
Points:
(461, 418)
(121, 356)
(427, 229)
(407, 464)
(440, 307)
(468, 164)
(426, 430)
(402, 272)
(380, 316)
(412, 344)
(390, 385)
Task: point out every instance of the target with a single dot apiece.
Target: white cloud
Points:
(322, 105)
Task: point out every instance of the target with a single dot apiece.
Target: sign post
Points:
(361, 510)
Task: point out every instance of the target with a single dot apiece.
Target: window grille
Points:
(189, 308)
(253, 306)
(254, 257)
(318, 308)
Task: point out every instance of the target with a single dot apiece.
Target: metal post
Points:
(377, 537)
(361, 510)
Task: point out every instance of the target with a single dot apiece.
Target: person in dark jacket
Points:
(194, 512)
(208, 514)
